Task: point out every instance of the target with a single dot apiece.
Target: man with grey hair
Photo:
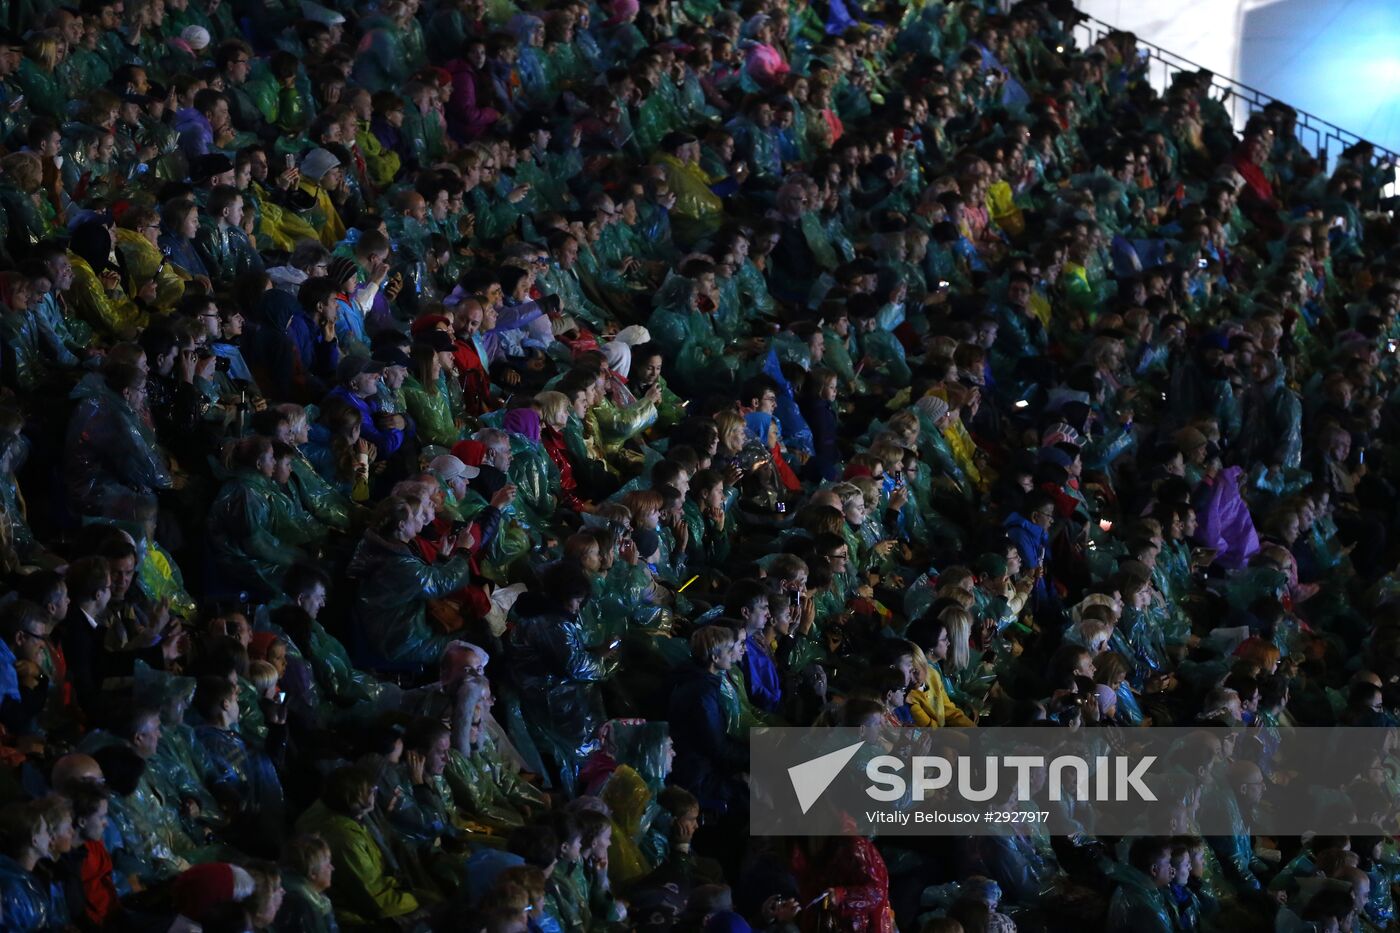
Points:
(495, 464)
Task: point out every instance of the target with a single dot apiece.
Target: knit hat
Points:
(197, 891)
(932, 407)
(260, 644)
(352, 366)
(1056, 456)
(448, 467)
(341, 269)
(469, 452)
(316, 163)
(426, 323)
(196, 37)
(1189, 439)
(1061, 433)
(207, 166)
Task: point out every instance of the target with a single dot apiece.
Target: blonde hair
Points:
(922, 666)
(849, 492)
(296, 415)
(956, 594)
(262, 675)
(890, 453)
(905, 422)
(553, 405)
(728, 422)
(959, 622)
(1087, 631)
(43, 48)
(869, 491)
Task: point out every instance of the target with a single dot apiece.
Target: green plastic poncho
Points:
(243, 528)
(392, 597)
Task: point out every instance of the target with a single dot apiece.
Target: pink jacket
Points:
(467, 117)
(766, 66)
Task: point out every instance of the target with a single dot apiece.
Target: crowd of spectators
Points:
(433, 434)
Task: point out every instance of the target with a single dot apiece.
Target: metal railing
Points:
(1320, 137)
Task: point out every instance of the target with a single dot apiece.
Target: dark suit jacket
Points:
(83, 649)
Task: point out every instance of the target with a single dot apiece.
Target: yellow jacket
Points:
(930, 705)
(691, 186)
(279, 227)
(332, 228)
(964, 448)
(382, 164)
(144, 261)
(115, 317)
(627, 796)
(1001, 207)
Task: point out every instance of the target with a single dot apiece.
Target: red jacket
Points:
(475, 381)
(553, 443)
(99, 892)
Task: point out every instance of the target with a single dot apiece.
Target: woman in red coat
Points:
(851, 871)
(554, 415)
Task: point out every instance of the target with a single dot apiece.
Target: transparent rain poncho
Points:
(534, 475)
(111, 457)
(511, 543)
(483, 782)
(559, 678)
(641, 750)
(394, 587)
(432, 412)
(180, 761)
(345, 693)
(245, 774)
(243, 535)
